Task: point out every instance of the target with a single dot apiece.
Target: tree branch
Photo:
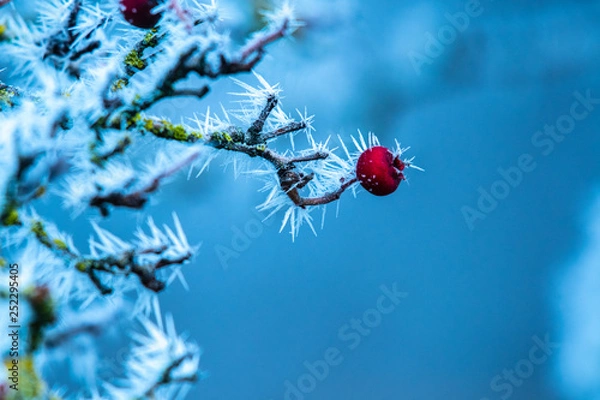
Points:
(254, 144)
(291, 127)
(137, 198)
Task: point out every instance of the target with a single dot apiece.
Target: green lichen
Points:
(132, 120)
(148, 125)
(54, 244)
(119, 84)
(10, 216)
(39, 192)
(222, 137)
(150, 39)
(44, 314)
(96, 159)
(167, 130)
(133, 60)
(6, 96)
(196, 134)
(38, 230)
(179, 133)
(82, 266)
(31, 386)
(3, 35)
(59, 244)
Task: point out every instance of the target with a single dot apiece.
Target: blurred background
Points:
(500, 298)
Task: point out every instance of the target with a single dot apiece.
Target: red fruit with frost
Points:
(139, 12)
(379, 171)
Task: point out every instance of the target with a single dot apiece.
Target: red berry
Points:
(379, 171)
(139, 12)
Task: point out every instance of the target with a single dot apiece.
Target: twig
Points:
(291, 127)
(90, 47)
(261, 42)
(329, 197)
(166, 377)
(139, 197)
(89, 328)
(254, 144)
(319, 155)
(199, 93)
(253, 133)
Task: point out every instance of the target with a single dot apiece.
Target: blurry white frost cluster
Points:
(579, 364)
(159, 357)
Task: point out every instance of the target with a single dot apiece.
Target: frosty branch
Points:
(194, 59)
(8, 95)
(136, 193)
(253, 142)
(143, 259)
(84, 96)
